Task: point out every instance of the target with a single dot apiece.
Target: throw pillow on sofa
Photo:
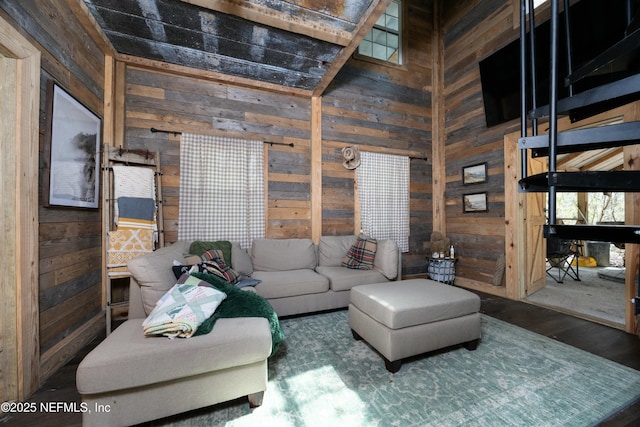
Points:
(199, 247)
(214, 260)
(212, 263)
(362, 254)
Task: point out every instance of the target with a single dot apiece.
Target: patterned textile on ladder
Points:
(127, 244)
(133, 181)
(136, 212)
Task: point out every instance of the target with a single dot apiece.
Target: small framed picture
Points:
(474, 174)
(72, 152)
(476, 202)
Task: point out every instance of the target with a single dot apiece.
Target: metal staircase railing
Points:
(556, 142)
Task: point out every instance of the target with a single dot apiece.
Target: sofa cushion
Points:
(386, 260)
(154, 274)
(240, 260)
(150, 360)
(283, 254)
(362, 254)
(281, 284)
(332, 249)
(342, 278)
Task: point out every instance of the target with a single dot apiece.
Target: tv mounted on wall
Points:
(595, 26)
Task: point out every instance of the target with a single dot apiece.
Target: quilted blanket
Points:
(182, 309)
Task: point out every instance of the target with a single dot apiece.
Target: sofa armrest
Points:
(153, 275)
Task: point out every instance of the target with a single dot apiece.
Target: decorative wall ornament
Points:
(351, 157)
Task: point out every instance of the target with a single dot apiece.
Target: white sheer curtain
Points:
(383, 190)
(221, 189)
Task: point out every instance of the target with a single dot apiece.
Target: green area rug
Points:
(321, 376)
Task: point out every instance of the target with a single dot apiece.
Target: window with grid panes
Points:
(383, 42)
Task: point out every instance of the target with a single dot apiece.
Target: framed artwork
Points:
(476, 202)
(72, 148)
(474, 174)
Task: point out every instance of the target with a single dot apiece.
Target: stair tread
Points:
(622, 87)
(625, 181)
(615, 135)
(614, 52)
(599, 233)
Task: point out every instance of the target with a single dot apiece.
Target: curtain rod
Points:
(176, 133)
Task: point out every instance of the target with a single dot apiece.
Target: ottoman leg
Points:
(471, 345)
(394, 366)
(255, 399)
(356, 336)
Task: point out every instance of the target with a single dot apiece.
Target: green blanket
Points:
(240, 303)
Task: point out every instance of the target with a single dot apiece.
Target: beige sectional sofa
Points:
(134, 378)
(300, 277)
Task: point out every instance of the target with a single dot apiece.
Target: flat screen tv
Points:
(595, 26)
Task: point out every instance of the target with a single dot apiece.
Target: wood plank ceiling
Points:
(295, 46)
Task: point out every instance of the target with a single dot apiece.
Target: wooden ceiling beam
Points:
(369, 18)
(210, 75)
(298, 23)
(93, 29)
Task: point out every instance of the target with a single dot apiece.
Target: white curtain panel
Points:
(383, 189)
(221, 189)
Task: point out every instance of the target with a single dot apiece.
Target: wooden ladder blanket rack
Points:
(125, 238)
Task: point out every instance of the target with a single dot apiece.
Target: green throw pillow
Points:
(199, 247)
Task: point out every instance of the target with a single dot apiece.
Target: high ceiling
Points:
(292, 46)
(296, 45)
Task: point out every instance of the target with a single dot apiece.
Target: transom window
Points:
(383, 41)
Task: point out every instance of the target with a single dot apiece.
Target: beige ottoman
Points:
(410, 317)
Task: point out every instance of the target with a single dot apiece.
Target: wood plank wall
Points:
(363, 108)
(69, 239)
(473, 30)
(384, 109)
(187, 104)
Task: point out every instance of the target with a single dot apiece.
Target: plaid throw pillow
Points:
(221, 270)
(213, 262)
(213, 255)
(361, 254)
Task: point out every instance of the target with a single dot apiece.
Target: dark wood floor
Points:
(604, 341)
